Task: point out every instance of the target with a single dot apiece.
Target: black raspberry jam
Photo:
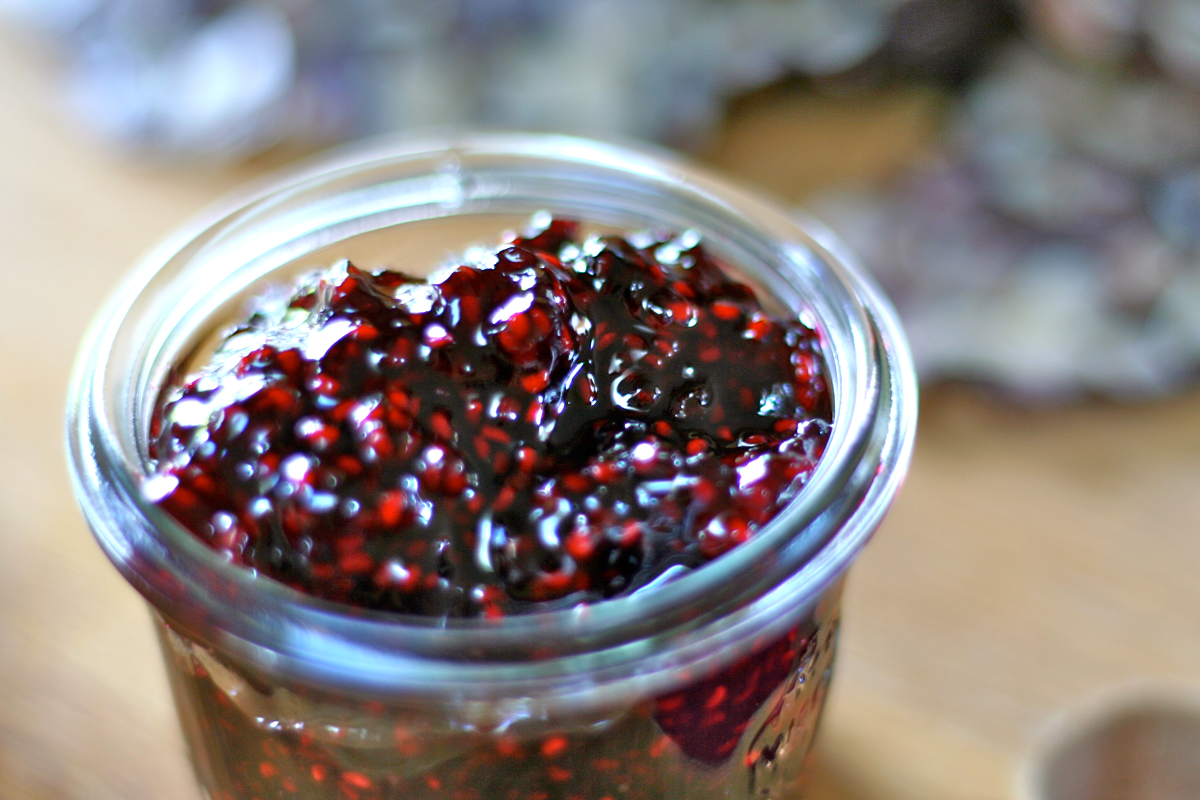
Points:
(565, 421)
(567, 418)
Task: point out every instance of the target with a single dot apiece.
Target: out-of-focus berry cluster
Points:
(1051, 244)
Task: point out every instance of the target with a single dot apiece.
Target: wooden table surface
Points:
(1034, 559)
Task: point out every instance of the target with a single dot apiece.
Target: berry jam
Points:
(564, 420)
(739, 734)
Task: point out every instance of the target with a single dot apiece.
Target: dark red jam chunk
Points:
(563, 420)
(708, 718)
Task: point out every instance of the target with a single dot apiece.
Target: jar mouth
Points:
(154, 317)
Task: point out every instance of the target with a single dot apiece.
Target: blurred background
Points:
(1023, 177)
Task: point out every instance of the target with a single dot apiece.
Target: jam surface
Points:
(564, 419)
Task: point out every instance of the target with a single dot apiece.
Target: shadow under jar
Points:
(706, 686)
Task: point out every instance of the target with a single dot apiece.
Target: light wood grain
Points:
(1034, 558)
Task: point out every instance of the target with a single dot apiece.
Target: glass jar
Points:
(709, 686)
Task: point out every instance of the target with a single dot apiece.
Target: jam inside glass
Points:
(741, 732)
(555, 662)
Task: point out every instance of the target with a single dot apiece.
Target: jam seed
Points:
(482, 448)
(357, 780)
(716, 698)
(758, 327)
(474, 410)
(509, 747)
(391, 507)
(725, 310)
(670, 703)
(356, 563)
(526, 458)
(554, 746)
(496, 434)
(576, 482)
(439, 421)
(579, 545)
(659, 746)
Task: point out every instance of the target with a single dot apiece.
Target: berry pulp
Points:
(563, 420)
(567, 420)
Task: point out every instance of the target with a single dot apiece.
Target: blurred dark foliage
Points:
(1046, 244)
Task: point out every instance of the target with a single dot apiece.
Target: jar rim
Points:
(786, 565)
